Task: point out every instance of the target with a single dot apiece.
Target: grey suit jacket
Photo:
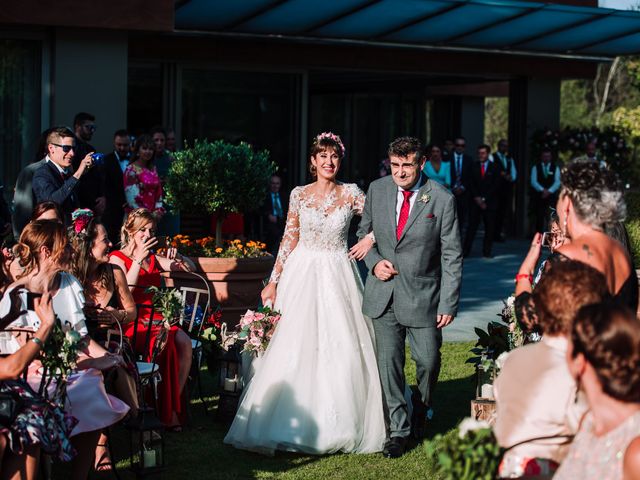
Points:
(428, 255)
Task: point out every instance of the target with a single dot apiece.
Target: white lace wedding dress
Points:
(316, 389)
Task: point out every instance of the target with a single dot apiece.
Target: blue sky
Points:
(619, 4)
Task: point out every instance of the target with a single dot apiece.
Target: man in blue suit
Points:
(55, 180)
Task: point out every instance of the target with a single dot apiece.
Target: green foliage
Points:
(496, 120)
(633, 224)
(218, 177)
(168, 302)
(464, 454)
(576, 104)
(58, 358)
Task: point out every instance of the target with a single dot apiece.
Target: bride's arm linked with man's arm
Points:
(287, 245)
(365, 243)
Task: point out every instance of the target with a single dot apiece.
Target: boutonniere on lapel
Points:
(425, 198)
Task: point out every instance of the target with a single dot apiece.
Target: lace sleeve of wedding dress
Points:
(290, 236)
(358, 198)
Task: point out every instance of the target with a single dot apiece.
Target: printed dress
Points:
(142, 189)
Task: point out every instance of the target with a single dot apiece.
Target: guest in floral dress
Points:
(39, 425)
(142, 185)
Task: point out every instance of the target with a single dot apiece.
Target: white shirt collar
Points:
(415, 188)
(60, 169)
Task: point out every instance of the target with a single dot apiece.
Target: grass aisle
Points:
(198, 452)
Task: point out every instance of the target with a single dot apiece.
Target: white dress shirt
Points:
(62, 171)
(124, 162)
(539, 188)
(412, 199)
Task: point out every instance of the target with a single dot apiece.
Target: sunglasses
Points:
(91, 127)
(460, 144)
(65, 148)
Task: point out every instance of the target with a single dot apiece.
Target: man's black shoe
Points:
(395, 447)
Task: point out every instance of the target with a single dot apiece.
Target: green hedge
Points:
(633, 224)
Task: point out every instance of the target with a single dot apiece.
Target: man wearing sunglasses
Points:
(56, 180)
(91, 191)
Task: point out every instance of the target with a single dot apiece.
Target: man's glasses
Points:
(91, 127)
(460, 144)
(65, 148)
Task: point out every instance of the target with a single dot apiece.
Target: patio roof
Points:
(529, 28)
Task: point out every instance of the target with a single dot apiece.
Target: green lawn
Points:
(199, 453)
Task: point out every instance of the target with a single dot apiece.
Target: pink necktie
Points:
(404, 213)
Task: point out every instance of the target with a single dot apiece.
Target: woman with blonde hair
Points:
(142, 268)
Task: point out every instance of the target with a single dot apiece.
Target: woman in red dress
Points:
(143, 268)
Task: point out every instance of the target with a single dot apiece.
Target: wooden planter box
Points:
(235, 283)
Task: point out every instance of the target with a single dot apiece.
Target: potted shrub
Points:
(219, 178)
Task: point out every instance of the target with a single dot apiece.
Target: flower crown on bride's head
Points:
(333, 138)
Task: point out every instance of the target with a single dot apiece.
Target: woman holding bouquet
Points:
(142, 269)
(317, 388)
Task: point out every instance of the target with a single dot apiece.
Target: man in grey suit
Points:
(413, 286)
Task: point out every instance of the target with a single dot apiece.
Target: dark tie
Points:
(404, 213)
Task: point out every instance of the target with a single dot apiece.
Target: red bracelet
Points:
(520, 276)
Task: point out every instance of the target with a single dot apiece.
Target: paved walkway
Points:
(485, 283)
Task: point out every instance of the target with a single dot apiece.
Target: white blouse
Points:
(67, 305)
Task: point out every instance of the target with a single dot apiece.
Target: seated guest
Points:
(142, 186)
(55, 180)
(38, 425)
(537, 412)
(604, 358)
(44, 251)
(143, 268)
(589, 199)
(108, 299)
(47, 211)
(436, 169)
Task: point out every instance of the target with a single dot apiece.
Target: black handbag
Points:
(11, 404)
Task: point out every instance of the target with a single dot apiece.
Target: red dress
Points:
(169, 389)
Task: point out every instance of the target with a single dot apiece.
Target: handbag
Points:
(11, 404)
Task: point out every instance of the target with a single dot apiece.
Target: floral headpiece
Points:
(333, 137)
(80, 219)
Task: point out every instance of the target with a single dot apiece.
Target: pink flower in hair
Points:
(331, 136)
(81, 218)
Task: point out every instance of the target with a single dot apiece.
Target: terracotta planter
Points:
(235, 282)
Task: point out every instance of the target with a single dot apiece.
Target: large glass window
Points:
(20, 103)
(255, 107)
(145, 98)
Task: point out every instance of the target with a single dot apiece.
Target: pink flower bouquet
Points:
(256, 328)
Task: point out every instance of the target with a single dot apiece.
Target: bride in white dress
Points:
(316, 389)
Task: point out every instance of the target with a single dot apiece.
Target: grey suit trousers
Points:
(425, 343)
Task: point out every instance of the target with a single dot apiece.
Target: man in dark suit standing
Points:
(91, 191)
(485, 176)
(114, 166)
(55, 180)
(508, 174)
(461, 164)
(274, 214)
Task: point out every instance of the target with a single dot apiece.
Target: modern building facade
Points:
(275, 72)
